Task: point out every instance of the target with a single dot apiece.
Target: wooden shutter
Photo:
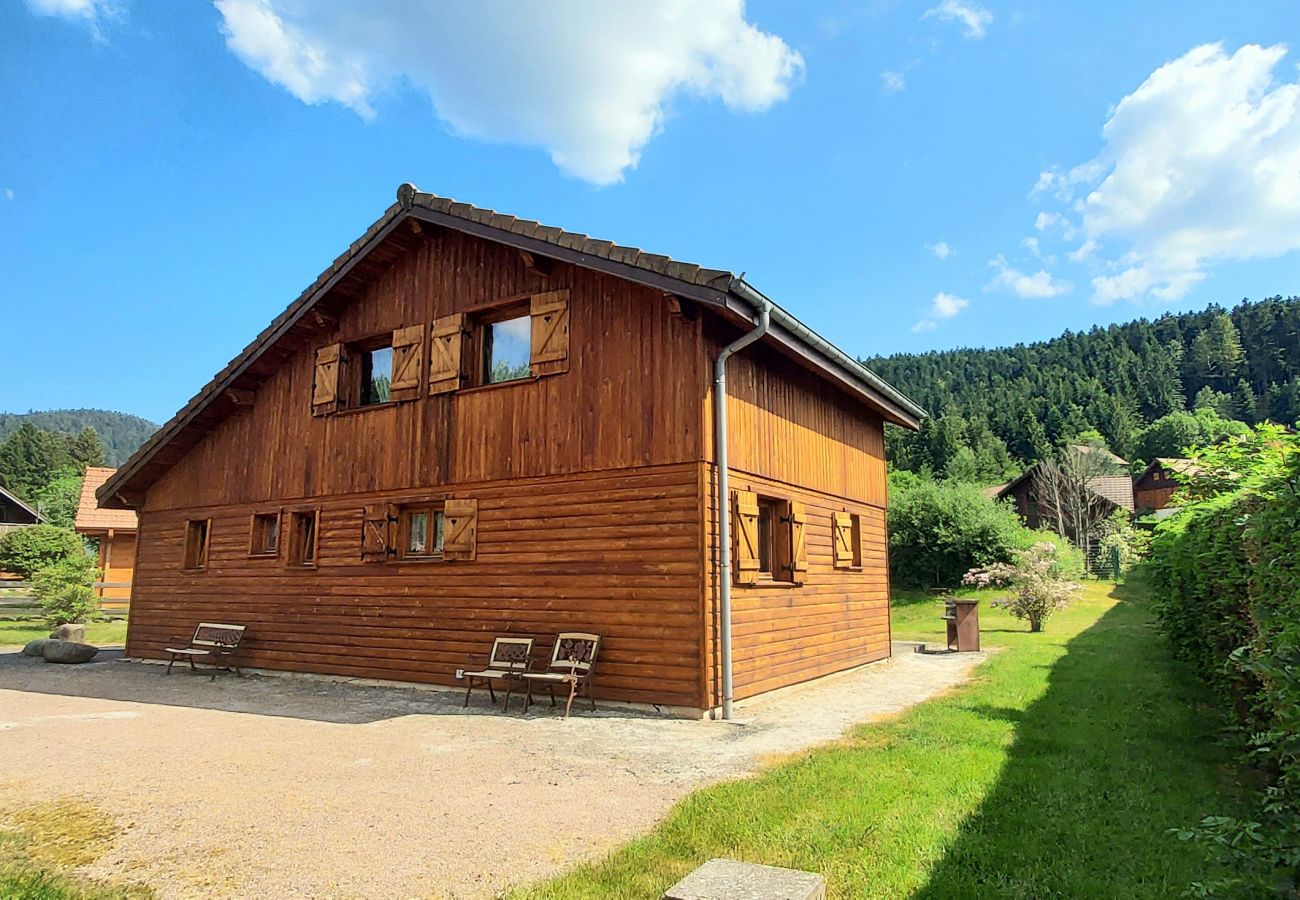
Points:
(550, 340)
(798, 542)
(842, 533)
(377, 532)
(408, 360)
(445, 348)
(460, 529)
(325, 381)
(744, 528)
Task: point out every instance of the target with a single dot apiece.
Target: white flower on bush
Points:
(1038, 588)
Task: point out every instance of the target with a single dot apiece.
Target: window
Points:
(264, 534)
(371, 371)
(421, 532)
(196, 543)
(302, 538)
(847, 534)
(504, 344)
(768, 525)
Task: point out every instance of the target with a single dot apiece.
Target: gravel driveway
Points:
(287, 787)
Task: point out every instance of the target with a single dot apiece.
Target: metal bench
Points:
(213, 643)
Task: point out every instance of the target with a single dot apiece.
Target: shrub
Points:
(939, 530)
(1038, 586)
(1226, 574)
(1119, 537)
(65, 590)
(27, 550)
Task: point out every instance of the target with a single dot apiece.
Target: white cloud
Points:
(1083, 251)
(1039, 285)
(1046, 220)
(90, 12)
(941, 249)
(892, 82)
(9, 193)
(943, 306)
(588, 81)
(1200, 163)
(973, 17)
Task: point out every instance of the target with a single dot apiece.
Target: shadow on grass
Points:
(1110, 757)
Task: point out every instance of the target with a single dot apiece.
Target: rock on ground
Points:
(69, 632)
(36, 648)
(68, 652)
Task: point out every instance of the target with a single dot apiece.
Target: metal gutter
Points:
(847, 365)
(764, 307)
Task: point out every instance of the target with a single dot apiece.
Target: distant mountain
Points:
(120, 433)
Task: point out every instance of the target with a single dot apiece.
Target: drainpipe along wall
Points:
(764, 307)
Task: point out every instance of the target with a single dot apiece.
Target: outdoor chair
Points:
(212, 643)
(509, 659)
(573, 663)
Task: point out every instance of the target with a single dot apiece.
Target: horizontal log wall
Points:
(616, 553)
(783, 634)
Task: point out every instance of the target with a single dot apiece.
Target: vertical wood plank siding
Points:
(793, 437)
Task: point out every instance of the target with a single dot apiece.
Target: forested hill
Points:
(119, 433)
(1013, 405)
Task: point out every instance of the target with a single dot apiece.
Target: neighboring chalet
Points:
(115, 531)
(1117, 490)
(474, 425)
(1154, 488)
(15, 514)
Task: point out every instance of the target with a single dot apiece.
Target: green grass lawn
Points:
(1055, 772)
(99, 633)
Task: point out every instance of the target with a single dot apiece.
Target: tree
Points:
(65, 590)
(58, 500)
(1243, 406)
(28, 550)
(1216, 352)
(30, 459)
(1066, 500)
(86, 450)
(1216, 401)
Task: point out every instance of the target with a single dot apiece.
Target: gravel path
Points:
(287, 787)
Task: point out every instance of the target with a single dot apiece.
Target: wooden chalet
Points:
(1154, 488)
(1116, 490)
(15, 514)
(474, 425)
(115, 532)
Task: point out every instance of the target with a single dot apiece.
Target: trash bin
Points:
(963, 620)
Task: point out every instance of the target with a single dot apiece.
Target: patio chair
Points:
(573, 663)
(212, 642)
(510, 658)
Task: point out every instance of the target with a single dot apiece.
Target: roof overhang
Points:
(720, 291)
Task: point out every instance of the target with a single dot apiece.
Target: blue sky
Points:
(902, 176)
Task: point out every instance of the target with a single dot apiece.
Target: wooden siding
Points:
(613, 552)
(117, 559)
(783, 634)
(608, 411)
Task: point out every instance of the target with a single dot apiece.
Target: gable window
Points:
(196, 543)
(370, 371)
(264, 534)
(421, 532)
(502, 340)
(302, 538)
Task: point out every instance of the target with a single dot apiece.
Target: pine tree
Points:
(85, 449)
(30, 459)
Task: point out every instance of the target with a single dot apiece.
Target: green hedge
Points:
(1226, 572)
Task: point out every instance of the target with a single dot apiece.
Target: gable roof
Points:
(36, 517)
(1118, 489)
(93, 517)
(725, 293)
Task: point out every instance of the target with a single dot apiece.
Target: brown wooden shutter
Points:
(377, 532)
(445, 347)
(550, 340)
(325, 381)
(408, 360)
(744, 529)
(842, 529)
(798, 542)
(460, 529)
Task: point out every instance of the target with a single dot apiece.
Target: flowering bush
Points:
(1038, 585)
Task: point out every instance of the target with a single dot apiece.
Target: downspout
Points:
(723, 512)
